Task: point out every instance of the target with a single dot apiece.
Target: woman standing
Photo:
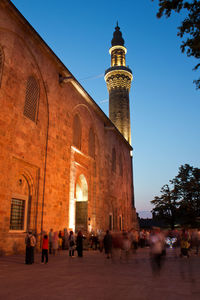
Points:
(71, 244)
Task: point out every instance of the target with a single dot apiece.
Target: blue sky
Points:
(164, 103)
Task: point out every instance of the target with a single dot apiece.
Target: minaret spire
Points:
(118, 79)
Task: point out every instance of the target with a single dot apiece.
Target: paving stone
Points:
(95, 277)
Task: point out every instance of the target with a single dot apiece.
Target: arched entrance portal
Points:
(81, 204)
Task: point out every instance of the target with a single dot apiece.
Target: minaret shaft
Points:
(118, 79)
(119, 111)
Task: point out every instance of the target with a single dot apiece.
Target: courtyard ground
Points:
(95, 277)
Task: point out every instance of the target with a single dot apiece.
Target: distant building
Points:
(63, 162)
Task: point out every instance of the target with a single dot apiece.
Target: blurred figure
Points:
(100, 238)
(195, 240)
(184, 243)
(79, 244)
(71, 244)
(107, 241)
(198, 241)
(95, 242)
(60, 240)
(126, 245)
(45, 246)
(131, 237)
(157, 248)
(50, 240)
(55, 243)
(135, 240)
(66, 239)
(147, 234)
(142, 238)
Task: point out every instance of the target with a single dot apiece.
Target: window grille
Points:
(17, 214)
(31, 99)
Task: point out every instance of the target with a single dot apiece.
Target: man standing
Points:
(30, 242)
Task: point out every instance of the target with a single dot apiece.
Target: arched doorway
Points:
(81, 195)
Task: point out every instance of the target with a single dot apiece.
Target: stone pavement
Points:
(95, 277)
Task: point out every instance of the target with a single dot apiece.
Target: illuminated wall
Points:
(43, 164)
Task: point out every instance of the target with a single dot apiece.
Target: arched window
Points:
(91, 143)
(31, 98)
(1, 63)
(77, 132)
(113, 160)
(120, 165)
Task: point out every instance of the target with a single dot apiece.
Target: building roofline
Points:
(63, 69)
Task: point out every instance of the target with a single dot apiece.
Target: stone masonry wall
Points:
(37, 159)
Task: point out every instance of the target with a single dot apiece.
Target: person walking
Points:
(107, 241)
(157, 247)
(45, 246)
(79, 244)
(185, 245)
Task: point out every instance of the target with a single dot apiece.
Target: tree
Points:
(166, 206)
(180, 203)
(187, 184)
(190, 26)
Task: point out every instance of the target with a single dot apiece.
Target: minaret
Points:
(118, 79)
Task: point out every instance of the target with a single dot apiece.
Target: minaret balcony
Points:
(118, 77)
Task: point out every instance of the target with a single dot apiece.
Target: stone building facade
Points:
(63, 163)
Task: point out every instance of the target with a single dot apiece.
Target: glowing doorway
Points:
(81, 195)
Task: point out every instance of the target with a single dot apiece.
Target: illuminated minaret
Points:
(118, 79)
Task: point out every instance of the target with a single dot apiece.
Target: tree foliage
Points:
(180, 202)
(190, 26)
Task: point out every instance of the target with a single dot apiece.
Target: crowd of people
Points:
(123, 242)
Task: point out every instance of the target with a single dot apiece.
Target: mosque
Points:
(63, 162)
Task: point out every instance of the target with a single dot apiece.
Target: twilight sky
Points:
(164, 103)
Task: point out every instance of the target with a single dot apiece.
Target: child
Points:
(45, 246)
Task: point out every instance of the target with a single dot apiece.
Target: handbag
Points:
(71, 243)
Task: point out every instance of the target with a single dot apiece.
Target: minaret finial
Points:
(117, 23)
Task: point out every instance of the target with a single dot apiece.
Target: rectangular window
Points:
(110, 222)
(17, 214)
(120, 223)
